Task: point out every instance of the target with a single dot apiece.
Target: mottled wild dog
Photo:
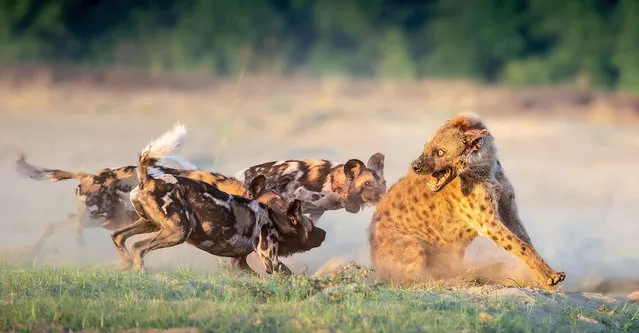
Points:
(455, 190)
(322, 185)
(183, 210)
(103, 197)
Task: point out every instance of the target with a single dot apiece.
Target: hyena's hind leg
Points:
(404, 259)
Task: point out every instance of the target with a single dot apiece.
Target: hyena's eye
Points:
(368, 183)
(438, 152)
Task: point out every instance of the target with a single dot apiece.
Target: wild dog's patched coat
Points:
(181, 209)
(103, 199)
(323, 185)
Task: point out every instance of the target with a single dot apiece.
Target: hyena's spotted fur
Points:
(182, 210)
(322, 185)
(455, 191)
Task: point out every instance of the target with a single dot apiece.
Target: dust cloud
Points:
(575, 181)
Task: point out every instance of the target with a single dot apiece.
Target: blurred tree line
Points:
(516, 42)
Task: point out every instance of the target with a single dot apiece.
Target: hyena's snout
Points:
(423, 165)
(417, 165)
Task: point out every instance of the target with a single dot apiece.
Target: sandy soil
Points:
(575, 180)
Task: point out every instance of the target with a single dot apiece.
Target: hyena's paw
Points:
(548, 279)
(555, 277)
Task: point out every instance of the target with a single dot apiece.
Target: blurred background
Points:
(86, 84)
(520, 42)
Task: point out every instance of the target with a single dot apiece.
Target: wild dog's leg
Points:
(174, 230)
(71, 223)
(280, 267)
(79, 237)
(481, 212)
(267, 247)
(240, 264)
(119, 237)
(165, 238)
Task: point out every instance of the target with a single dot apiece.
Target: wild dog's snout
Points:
(317, 237)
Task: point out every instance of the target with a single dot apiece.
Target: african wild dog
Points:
(103, 197)
(455, 191)
(183, 210)
(322, 185)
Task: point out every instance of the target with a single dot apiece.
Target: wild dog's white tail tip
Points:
(184, 163)
(240, 175)
(167, 144)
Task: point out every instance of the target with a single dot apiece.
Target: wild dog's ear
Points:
(471, 138)
(294, 211)
(282, 223)
(353, 168)
(257, 187)
(376, 162)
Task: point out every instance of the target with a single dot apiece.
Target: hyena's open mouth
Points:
(440, 178)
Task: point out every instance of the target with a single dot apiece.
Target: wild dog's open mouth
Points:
(439, 179)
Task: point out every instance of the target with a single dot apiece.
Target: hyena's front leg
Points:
(483, 213)
(267, 249)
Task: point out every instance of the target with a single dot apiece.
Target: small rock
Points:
(586, 319)
(603, 308)
(330, 266)
(633, 297)
(485, 317)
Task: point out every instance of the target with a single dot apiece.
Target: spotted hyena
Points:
(183, 210)
(322, 185)
(455, 191)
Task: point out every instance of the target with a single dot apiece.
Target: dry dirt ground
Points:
(575, 179)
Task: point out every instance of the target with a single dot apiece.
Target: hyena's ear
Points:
(471, 138)
(376, 163)
(257, 187)
(353, 168)
(294, 211)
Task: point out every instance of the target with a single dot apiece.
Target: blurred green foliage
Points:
(515, 42)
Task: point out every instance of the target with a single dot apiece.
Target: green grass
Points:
(35, 298)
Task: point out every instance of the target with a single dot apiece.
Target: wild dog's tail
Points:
(241, 176)
(183, 162)
(163, 147)
(39, 173)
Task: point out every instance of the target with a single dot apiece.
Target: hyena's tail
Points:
(39, 173)
(163, 147)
